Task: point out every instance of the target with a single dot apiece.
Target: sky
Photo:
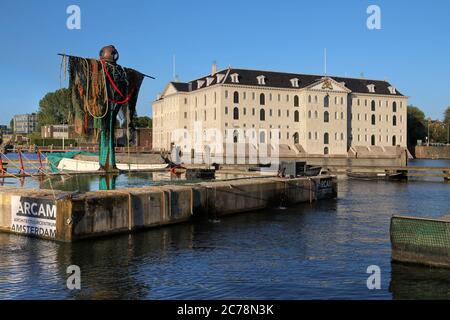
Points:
(411, 50)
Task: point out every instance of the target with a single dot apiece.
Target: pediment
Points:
(168, 90)
(328, 84)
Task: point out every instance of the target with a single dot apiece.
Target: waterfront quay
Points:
(71, 216)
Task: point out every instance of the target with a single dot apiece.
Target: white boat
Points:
(74, 165)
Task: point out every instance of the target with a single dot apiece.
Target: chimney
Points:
(214, 68)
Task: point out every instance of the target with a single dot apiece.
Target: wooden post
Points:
(22, 169)
(1, 166)
(41, 169)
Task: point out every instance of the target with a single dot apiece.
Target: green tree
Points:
(447, 124)
(438, 132)
(416, 126)
(143, 122)
(54, 108)
(447, 115)
(11, 125)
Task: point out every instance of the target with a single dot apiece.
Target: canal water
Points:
(318, 251)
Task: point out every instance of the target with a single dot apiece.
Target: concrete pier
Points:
(64, 216)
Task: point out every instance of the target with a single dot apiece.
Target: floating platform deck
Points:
(421, 241)
(65, 216)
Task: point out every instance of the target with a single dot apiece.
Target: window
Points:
(373, 119)
(226, 110)
(309, 99)
(262, 115)
(279, 112)
(296, 138)
(262, 137)
(296, 116)
(316, 114)
(235, 136)
(262, 99)
(326, 117)
(309, 135)
(372, 140)
(185, 115)
(261, 80)
(394, 120)
(236, 97)
(342, 100)
(236, 113)
(245, 111)
(373, 105)
(326, 138)
(342, 136)
(342, 115)
(309, 114)
(326, 101)
(226, 94)
(253, 111)
(326, 150)
(394, 107)
(296, 101)
(394, 141)
(270, 112)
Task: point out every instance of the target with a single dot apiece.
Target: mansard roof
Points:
(283, 80)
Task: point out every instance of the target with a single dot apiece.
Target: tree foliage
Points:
(417, 129)
(142, 122)
(447, 115)
(54, 108)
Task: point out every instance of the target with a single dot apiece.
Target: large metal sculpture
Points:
(101, 89)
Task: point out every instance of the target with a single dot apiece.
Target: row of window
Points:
(326, 100)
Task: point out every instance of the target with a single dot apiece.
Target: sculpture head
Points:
(109, 53)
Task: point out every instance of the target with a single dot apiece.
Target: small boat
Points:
(311, 171)
(75, 165)
(421, 240)
(375, 175)
(195, 174)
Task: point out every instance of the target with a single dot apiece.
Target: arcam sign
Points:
(33, 216)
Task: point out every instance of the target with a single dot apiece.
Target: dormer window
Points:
(220, 77)
(392, 90)
(200, 83)
(371, 88)
(234, 77)
(209, 80)
(294, 82)
(261, 80)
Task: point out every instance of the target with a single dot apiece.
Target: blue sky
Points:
(412, 50)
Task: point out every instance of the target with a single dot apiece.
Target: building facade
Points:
(313, 114)
(60, 131)
(25, 123)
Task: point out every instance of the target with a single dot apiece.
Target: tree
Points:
(438, 132)
(416, 126)
(143, 122)
(447, 115)
(54, 108)
(11, 125)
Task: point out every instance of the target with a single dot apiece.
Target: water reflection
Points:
(418, 282)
